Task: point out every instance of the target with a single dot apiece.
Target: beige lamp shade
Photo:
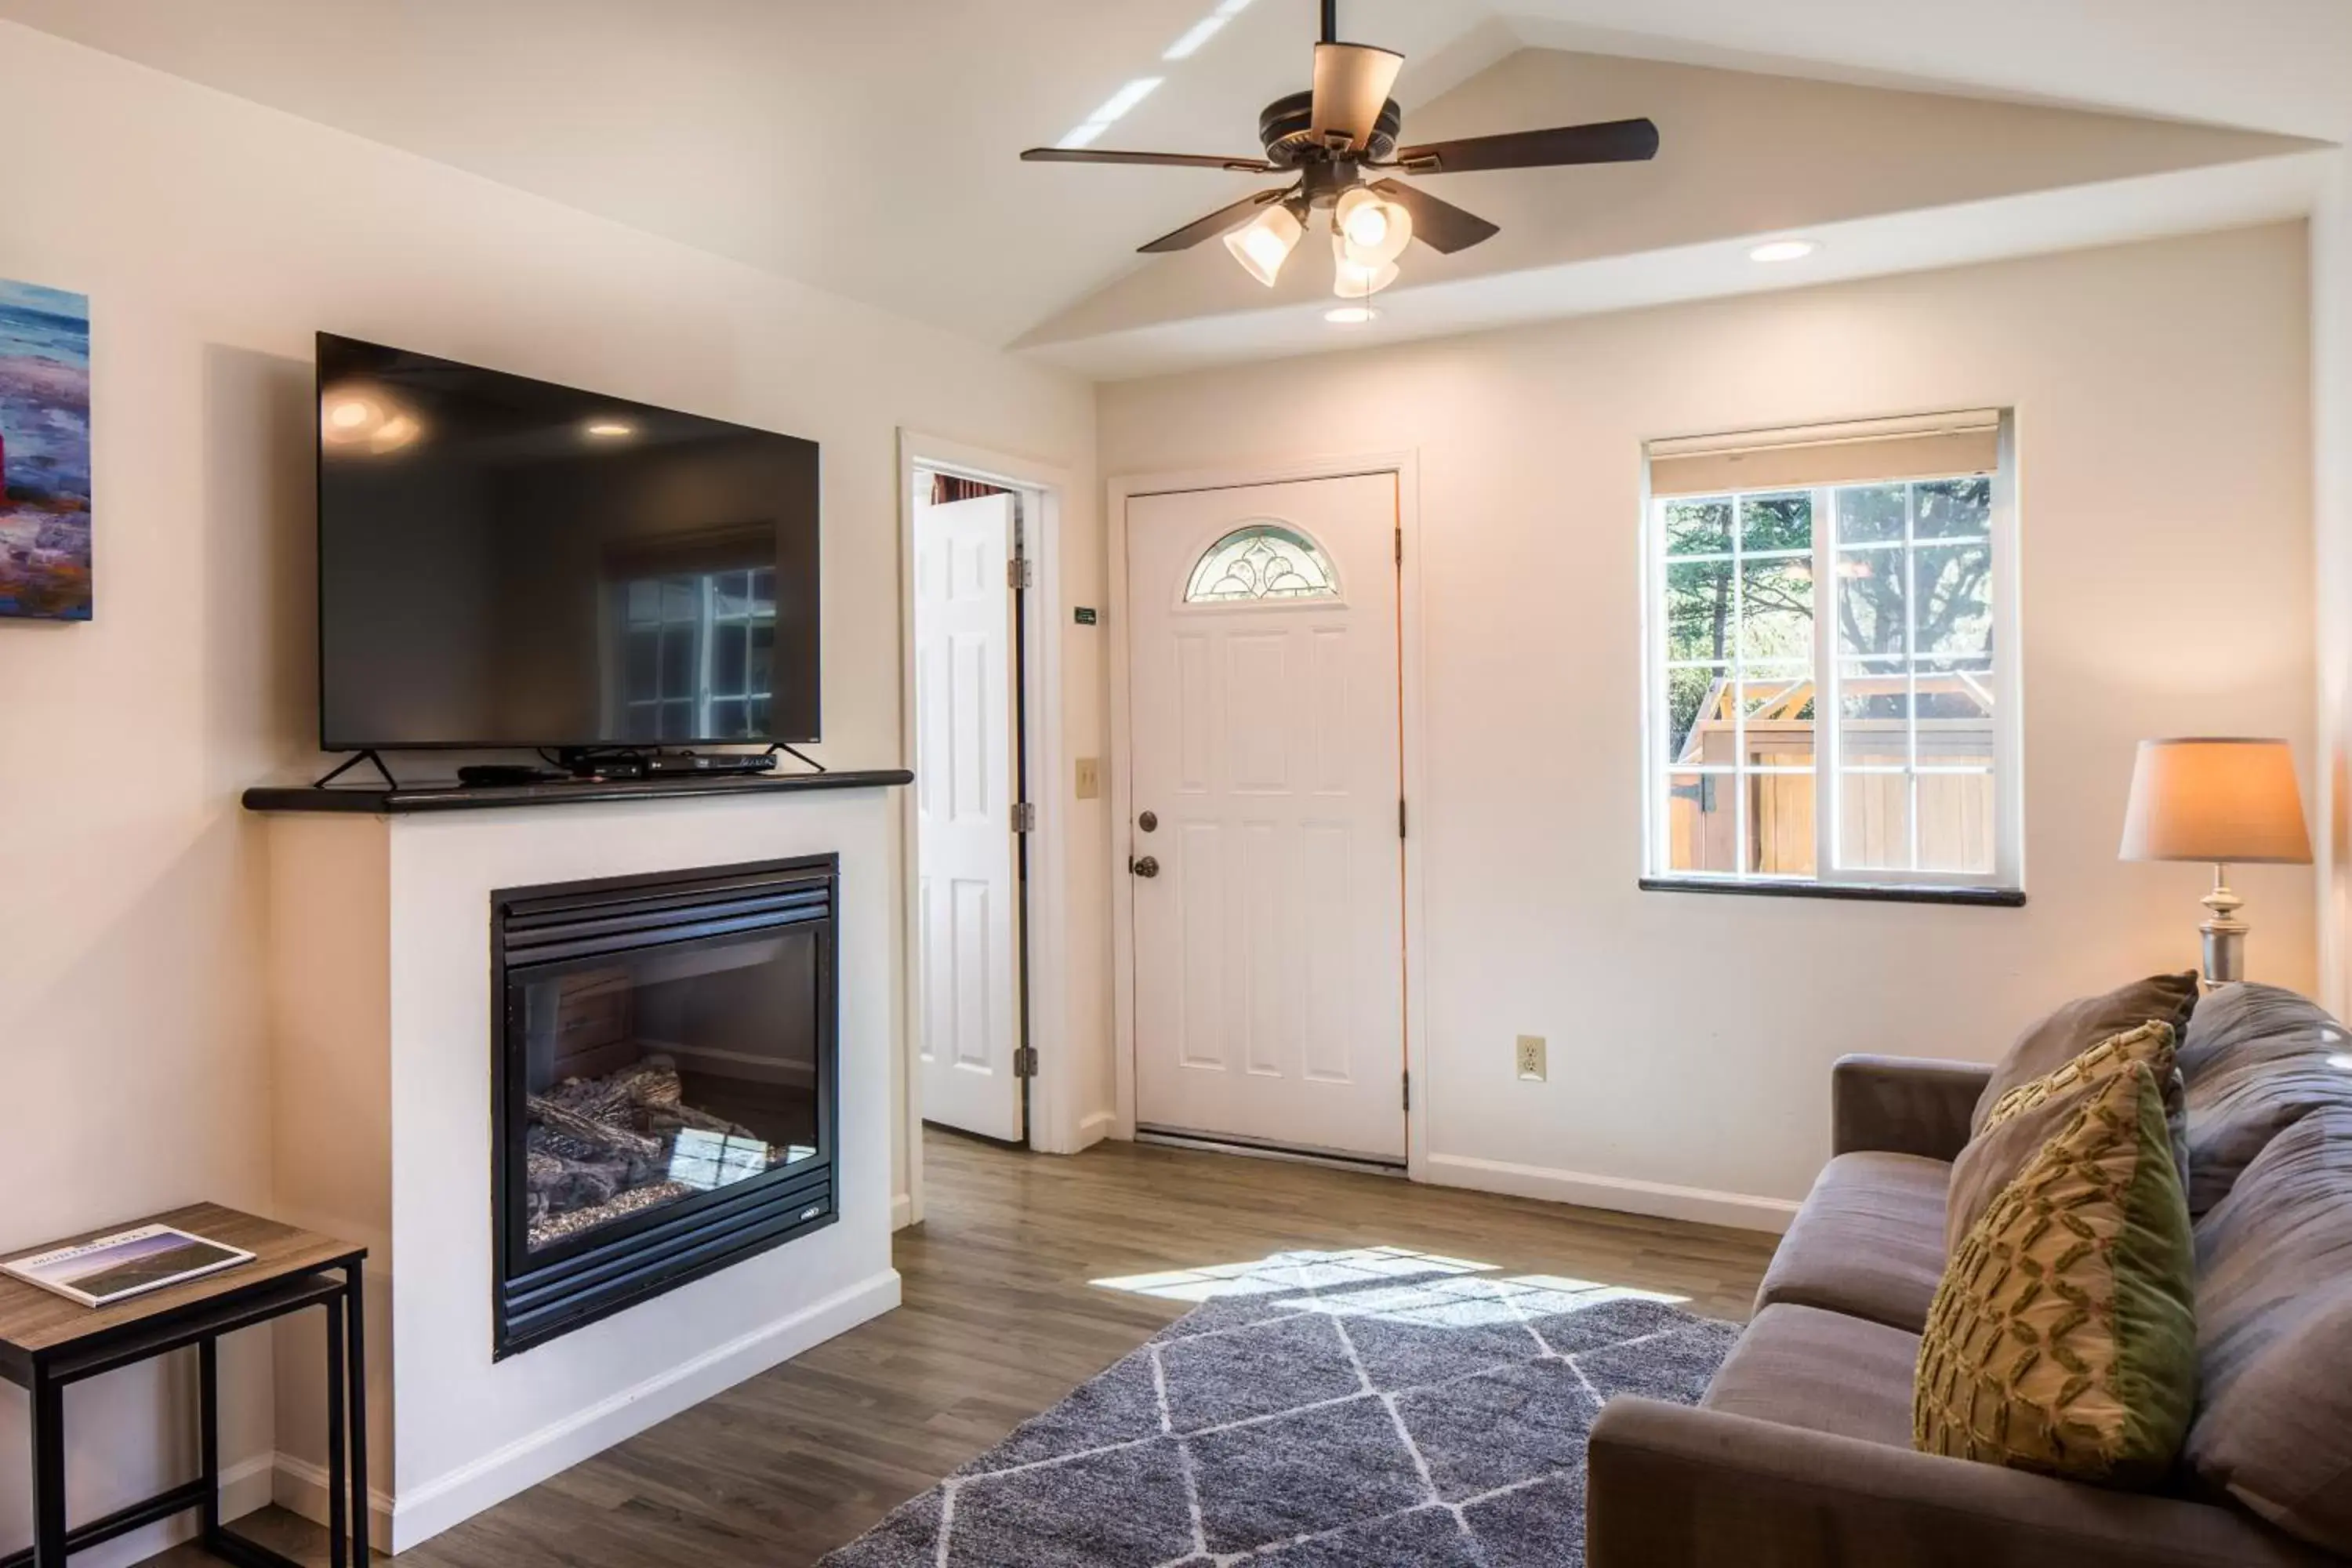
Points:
(2230, 801)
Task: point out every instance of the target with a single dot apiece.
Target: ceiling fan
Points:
(1341, 139)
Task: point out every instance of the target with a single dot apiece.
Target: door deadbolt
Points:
(1148, 821)
(1147, 866)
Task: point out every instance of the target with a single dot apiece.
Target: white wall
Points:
(2331, 389)
(2162, 405)
(213, 237)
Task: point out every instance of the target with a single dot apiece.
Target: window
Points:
(1261, 561)
(1832, 662)
(699, 651)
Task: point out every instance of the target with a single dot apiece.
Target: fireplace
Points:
(663, 1083)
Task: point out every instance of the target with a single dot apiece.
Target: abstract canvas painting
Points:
(44, 453)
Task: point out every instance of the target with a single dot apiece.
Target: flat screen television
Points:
(504, 563)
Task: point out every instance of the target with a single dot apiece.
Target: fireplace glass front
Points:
(667, 1082)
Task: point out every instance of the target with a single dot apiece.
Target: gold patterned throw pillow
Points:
(2021, 1121)
(2064, 1339)
(2151, 1043)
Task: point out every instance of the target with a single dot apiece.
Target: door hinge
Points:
(1024, 1062)
(1400, 816)
(1408, 1088)
(1024, 816)
(1020, 574)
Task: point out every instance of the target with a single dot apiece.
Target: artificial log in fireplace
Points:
(665, 1083)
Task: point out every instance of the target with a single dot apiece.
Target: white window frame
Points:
(2006, 878)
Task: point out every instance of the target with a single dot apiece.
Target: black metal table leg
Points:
(338, 1517)
(48, 1471)
(208, 1435)
(353, 1309)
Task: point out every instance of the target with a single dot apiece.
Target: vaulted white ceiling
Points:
(869, 146)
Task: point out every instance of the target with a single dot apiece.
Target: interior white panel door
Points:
(968, 883)
(1266, 754)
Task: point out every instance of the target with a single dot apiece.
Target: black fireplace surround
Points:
(664, 1083)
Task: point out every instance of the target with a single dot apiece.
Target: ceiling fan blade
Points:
(1610, 141)
(1216, 223)
(1351, 87)
(1169, 160)
(1442, 224)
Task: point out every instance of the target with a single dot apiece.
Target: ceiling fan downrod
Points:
(1331, 21)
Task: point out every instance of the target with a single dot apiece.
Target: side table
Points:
(48, 1342)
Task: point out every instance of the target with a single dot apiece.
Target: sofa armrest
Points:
(1671, 1487)
(1903, 1105)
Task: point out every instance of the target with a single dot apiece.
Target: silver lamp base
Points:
(2225, 933)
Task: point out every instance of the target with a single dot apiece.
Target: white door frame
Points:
(1406, 466)
(1053, 1119)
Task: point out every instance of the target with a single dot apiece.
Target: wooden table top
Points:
(34, 1320)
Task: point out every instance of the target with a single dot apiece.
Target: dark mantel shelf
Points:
(411, 798)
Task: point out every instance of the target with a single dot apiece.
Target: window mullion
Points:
(1736, 668)
(1826, 703)
(1911, 665)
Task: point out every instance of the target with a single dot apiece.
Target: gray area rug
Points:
(1320, 1410)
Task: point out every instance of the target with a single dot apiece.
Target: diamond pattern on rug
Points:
(1302, 1474)
(1372, 1408)
(1259, 1371)
(1499, 1428)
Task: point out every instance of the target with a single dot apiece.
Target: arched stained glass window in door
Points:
(1260, 560)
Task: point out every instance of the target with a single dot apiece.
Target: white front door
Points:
(965, 787)
(1265, 843)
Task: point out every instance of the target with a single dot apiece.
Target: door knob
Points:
(1147, 866)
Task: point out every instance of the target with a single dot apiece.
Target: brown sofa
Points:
(1801, 1451)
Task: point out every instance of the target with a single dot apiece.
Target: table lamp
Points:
(2225, 800)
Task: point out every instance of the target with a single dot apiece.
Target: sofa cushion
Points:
(1800, 1366)
(2050, 1042)
(1869, 1241)
(2275, 1333)
(2035, 1112)
(2062, 1339)
(2255, 1060)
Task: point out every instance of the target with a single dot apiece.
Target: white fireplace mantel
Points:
(382, 1017)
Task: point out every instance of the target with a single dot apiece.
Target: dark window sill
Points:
(1990, 898)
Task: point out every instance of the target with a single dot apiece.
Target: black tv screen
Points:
(507, 562)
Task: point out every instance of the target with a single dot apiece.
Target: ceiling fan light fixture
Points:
(1370, 229)
(1265, 242)
(1357, 280)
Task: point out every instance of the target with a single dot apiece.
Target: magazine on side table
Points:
(128, 1263)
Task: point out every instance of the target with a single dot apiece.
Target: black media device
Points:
(507, 562)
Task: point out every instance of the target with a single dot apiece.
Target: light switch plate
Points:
(1531, 1065)
(1089, 778)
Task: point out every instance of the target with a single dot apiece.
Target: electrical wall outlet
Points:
(1532, 1058)
(1089, 778)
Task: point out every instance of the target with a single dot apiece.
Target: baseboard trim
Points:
(421, 1513)
(1658, 1200)
(902, 1211)
(1093, 1129)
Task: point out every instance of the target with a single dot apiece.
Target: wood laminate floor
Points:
(1002, 1318)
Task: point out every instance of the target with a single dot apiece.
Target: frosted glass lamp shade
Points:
(2227, 801)
(1265, 242)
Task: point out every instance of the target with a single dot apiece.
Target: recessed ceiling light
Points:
(611, 429)
(1783, 250)
(1350, 315)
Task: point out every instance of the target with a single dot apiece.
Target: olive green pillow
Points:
(2021, 1121)
(2063, 1337)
